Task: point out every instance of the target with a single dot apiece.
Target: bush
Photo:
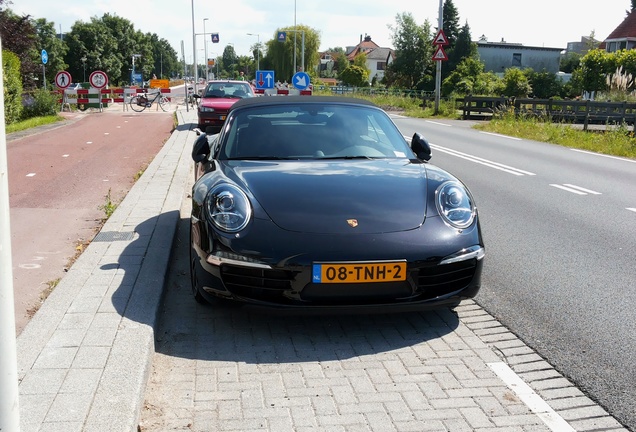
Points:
(12, 87)
(42, 103)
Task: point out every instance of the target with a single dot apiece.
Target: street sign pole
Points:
(9, 393)
(438, 70)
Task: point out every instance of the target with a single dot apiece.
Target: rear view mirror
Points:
(200, 149)
(420, 147)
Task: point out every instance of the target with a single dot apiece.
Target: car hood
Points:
(333, 197)
(218, 103)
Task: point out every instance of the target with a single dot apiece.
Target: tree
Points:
(280, 55)
(355, 76)
(12, 87)
(19, 36)
(569, 62)
(230, 60)
(54, 46)
(94, 42)
(515, 83)
(413, 65)
(595, 66)
(470, 77)
(450, 23)
(544, 84)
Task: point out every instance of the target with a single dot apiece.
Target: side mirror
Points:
(420, 147)
(196, 96)
(200, 149)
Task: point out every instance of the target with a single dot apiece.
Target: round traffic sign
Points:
(63, 79)
(98, 79)
(301, 80)
(45, 57)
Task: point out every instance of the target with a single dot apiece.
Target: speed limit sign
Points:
(98, 79)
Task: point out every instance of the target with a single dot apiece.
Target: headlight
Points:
(228, 208)
(455, 204)
(206, 109)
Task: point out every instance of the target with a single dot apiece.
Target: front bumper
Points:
(442, 269)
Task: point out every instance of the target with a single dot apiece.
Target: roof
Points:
(625, 30)
(364, 46)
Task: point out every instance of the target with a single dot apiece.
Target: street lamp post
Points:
(258, 50)
(83, 59)
(194, 50)
(205, 46)
(134, 56)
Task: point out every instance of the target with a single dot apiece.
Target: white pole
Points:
(194, 52)
(205, 49)
(295, 31)
(438, 70)
(9, 407)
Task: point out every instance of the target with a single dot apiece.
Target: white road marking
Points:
(604, 155)
(30, 175)
(482, 161)
(502, 136)
(582, 189)
(65, 156)
(574, 189)
(532, 400)
(631, 209)
(568, 189)
(89, 142)
(438, 123)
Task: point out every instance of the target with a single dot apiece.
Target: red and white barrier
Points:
(105, 96)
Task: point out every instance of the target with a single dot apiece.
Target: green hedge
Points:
(12, 87)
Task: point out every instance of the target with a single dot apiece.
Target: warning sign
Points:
(440, 54)
(441, 38)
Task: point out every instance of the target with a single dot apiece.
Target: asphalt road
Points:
(60, 179)
(560, 233)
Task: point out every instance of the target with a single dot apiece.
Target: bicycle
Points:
(140, 102)
(192, 99)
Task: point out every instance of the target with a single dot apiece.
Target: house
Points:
(582, 47)
(377, 57)
(623, 36)
(499, 56)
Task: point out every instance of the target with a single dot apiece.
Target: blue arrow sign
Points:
(264, 79)
(300, 80)
(45, 57)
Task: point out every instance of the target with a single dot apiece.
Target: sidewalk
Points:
(84, 359)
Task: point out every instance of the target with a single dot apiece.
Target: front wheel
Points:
(164, 103)
(138, 103)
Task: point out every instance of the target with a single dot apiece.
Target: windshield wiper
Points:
(348, 157)
(261, 158)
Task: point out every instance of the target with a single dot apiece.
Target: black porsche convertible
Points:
(319, 202)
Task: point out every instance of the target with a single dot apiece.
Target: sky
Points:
(340, 23)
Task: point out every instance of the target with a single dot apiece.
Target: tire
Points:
(164, 103)
(194, 281)
(134, 104)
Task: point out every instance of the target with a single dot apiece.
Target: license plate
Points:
(359, 272)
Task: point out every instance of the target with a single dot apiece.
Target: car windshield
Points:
(227, 90)
(312, 131)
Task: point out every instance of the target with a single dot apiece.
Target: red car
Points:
(216, 100)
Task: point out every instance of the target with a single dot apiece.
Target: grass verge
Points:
(33, 122)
